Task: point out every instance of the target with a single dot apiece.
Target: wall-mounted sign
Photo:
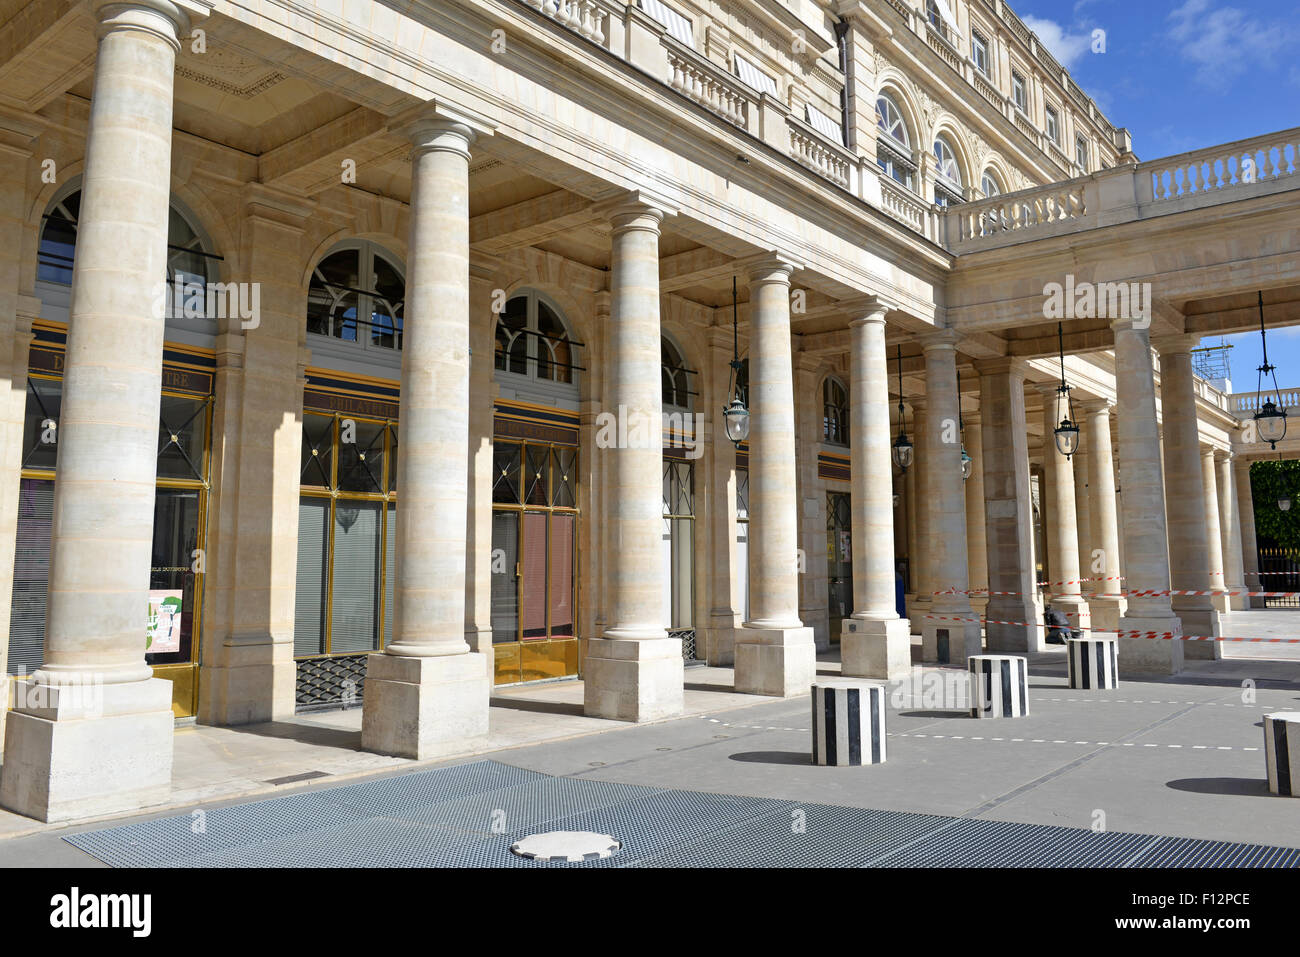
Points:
(163, 627)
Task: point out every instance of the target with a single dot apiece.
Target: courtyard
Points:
(1161, 773)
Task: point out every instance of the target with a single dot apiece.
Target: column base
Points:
(629, 679)
(950, 634)
(1201, 621)
(876, 649)
(1151, 656)
(1018, 638)
(480, 643)
(1077, 611)
(85, 752)
(722, 641)
(257, 681)
(424, 708)
(1106, 613)
(1238, 602)
(781, 662)
(1222, 603)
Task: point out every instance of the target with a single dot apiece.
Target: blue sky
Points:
(1185, 74)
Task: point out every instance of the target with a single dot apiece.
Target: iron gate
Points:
(1279, 570)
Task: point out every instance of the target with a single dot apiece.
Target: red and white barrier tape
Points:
(1158, 635)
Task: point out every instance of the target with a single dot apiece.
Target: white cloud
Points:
(1068, 47)
(1225, 42)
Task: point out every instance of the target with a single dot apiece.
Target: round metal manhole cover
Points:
(566, 846)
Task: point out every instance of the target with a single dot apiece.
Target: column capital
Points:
(410, 122)
(1003, 365)
(772, 268)
(439, 134)
(1224, 455)
(939, 339)
(866, 309)
(1049, 388)
(280, 207)
(1175, 345)
(633, 200)
(1094, 406)
(1132, 324)
(603, 300)
(169, 20)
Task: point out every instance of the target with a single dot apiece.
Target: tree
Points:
(1270, 481)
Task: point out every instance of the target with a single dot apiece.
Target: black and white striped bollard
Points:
(1282, 752)
(1093, 663)
(848, 722)
(999, 686)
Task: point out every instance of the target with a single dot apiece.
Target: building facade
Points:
(377, 353)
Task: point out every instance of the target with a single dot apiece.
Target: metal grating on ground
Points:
(468, 815)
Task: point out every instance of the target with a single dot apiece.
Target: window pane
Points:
(58, 241)
(313, 565)
(172, 583)
(392, 457)
(354, 608)
(386, 306)
(505, 472)
(182, 435)
(505, 586)
(331, 298)
(317, 449)
(361, 461)
(533, 576)
(564, 478)
(553, 352)
(31, 575)
(512, 341)
(535, 475)
(562, 537)
(41, 423)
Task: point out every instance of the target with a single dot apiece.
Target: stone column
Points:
(1185, 497)
(1230, 532)
(478, 538)
(427, 693)
(814, 577)
(93, 732)
(1107, 604)
(874, 642)
(634, 672)
(1146, 540)
(1246, 515)
(16, 314)
(720, 512)
(592, 601)
(1083, 514)
(775, 654)
(918, 546)
(977, 558)
(1008, 510)
(248, 672)
(1213, 530)
(1062, 529)
(945, 499)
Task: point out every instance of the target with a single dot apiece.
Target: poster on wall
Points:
(163, 627)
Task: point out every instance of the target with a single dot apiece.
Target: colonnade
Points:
(427, 692)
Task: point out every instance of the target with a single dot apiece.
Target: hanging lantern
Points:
(903, 450)
(735, 415)
(1067, 433)
(1270, 421)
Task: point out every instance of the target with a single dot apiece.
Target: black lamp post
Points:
(967, 465)
(903, 450)
(1067, 433)
(735, 414)
(1270, 421)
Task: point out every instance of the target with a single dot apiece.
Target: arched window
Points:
(948, 184)
(356, 295)
(835, 412)
(532, 340)
(190, 265)
(893, 149)
(676, 377)
(989, 184)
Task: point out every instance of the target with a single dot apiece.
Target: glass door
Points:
(839, 560)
